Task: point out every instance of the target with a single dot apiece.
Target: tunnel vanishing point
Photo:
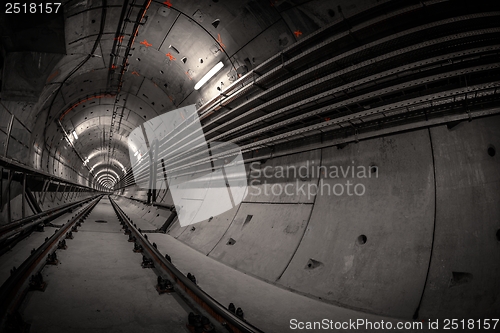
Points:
(282, 165)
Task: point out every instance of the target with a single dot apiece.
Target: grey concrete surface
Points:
(100, 286)
(267, 306)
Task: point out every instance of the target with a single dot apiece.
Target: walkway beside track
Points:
(265, 306)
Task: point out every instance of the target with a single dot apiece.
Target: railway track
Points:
(12, 233)
(92, 280)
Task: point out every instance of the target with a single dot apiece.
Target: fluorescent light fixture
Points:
(209, 75)
(76, 136)
(137, 152)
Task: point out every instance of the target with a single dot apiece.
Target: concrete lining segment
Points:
(467, 219)
(262, 238)
(282, 171)
(112, 293)
(22, 250)
(396, 216)
(266, 306)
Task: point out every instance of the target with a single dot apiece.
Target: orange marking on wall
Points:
(297, 33)
(189, 76)
(327, 119)
(135, 73)
(145, 43)
(119, 39)
(167, 3)
(53, 75)
(170, 56)
(219, 40)
(83, 101)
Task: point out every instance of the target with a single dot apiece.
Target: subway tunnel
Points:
(250, 166)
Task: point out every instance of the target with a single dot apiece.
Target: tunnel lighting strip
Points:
(106, 176)
(209, 75)
(66, 135)
(76, 137)
(109, 171)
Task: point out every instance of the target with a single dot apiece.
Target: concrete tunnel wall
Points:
(430, 220)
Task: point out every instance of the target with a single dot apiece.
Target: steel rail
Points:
(214, 308)
(15, 288)
(6, 230)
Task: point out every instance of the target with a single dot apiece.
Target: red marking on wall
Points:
(53, 75)
(135, 73)
(273, 2)
(119, 39)
(83, 101)
(327, 119)
(219, 40)
(189, 76)
(145, 43)
(170, 56)
(297, 33)
(113, 66)
(167, 3)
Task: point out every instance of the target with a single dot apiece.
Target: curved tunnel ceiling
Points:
(292, 69)
(175, 44)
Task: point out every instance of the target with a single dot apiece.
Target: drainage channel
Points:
(207, 314)
(28, 276)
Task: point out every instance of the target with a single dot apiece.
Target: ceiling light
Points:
(135, 154)
(209, 75)
(75, 136)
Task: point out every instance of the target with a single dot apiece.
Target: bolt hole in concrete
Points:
(312, 264)
(231, 241)
(459, 278)
(362, 239)
(247, 219)
(101, 221)
(491, 150)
